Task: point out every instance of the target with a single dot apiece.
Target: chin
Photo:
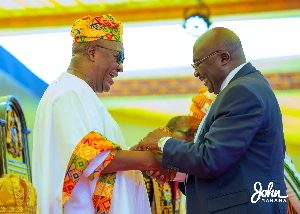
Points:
(211, 90)
(106, 89)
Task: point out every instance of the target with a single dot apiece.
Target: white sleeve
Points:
(73, 123)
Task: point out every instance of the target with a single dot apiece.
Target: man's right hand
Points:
(164, 174)
(159, 177)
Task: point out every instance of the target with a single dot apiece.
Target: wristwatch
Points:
(162, 141)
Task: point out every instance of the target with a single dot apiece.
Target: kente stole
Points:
(84, 153)
(291, 178)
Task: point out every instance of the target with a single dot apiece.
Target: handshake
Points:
(150, 143)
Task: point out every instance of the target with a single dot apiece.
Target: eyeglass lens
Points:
(121, 58)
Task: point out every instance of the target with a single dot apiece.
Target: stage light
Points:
(196, 19)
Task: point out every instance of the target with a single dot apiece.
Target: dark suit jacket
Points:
(241, 143)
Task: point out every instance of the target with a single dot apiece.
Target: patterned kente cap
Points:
(201, 103)
(100, 27)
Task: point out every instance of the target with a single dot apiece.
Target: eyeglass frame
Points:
(197, 63)
(185, 131)
(120, 58)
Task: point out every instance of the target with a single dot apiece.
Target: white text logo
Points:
(266, 193)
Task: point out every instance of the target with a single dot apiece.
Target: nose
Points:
(120, 68)
(196, 73)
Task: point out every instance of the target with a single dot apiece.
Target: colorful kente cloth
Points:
(163, 198)
(67, 112)
(291, 178)
(177, 201)
(176, 196)
(100, 27)
(84, 153)
(201, 103)
(149, 186)
(160, 196)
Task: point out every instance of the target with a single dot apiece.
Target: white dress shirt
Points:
(231, 75)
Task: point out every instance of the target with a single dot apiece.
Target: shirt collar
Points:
(231, 75)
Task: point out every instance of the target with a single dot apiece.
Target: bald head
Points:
(179, 127)
(216, 53)
(178, 122)
(220, 39)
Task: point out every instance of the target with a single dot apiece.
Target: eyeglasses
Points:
(120, 58)
(196, 64)
(190, 133)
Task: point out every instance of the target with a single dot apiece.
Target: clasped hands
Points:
(150, 142)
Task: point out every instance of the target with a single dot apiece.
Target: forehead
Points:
(199, 51)
(112, 45)
(203, 47)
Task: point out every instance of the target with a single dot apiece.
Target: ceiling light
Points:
(196, 19)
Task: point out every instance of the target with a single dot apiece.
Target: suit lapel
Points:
(245, 70)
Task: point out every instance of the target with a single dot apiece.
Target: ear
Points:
(225, 57)
(90, 52)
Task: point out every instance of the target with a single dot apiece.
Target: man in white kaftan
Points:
(64, 116)
(79, 162)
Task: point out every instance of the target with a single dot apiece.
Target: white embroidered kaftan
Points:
(69, 110)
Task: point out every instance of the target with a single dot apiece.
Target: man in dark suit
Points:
(239, 149)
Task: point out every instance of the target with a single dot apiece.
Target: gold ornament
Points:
(17, 195)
